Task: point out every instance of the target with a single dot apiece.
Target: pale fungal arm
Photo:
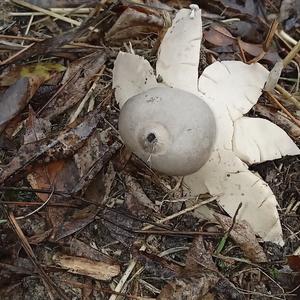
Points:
(230, 88)
(257, 140)
(179, 52)
(235, 84)
(132, 74)
(226, 176)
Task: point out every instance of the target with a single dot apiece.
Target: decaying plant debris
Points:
(83, 218)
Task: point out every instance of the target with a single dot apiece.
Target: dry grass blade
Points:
(267, 42)
(47, 12)
(270, 36)
(288, 96)
(182, 212)
(51, 44)
(292, 54)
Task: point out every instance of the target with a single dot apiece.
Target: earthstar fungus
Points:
(229, 89)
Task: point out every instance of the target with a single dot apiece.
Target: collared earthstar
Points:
(226, 91)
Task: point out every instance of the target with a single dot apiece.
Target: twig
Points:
(38, 203)
(234, 218)
(28, 27)
(83, 10)
(33, 39)
(126, 275)
(182, 212)
(47, 12)
(267, 42)
(270, 96)
(176, 233)
(6, 61)
(287, 95)
(292, 54)
(287, 37)
(270, 35)
(241, 50)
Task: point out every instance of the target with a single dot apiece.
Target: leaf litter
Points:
(92, 209)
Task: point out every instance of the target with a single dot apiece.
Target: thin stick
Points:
(125, 276)
(241, 50)
(176, 233)
(296, 121)
(287, 37)
(270, 36)
(37, 209)
(182, 212)
(6, 61)
(28, 26)
(83, 10)
(287, 95)
(18, 37)
(292, 54)
(52, 14)
(47, 12)
(33, 39)
(227, 233)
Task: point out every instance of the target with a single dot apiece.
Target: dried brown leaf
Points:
(75, 84)
(192, 288)
(133, 22)
(245, 238)
(99, 189)
(159, 266)
(294, 262)
(71, 221)
(136, 190)
(65, 145)
(197, 278)
(219, 36)
(36, 128)
(91, 158)
(17, 96)
(198, 257)
(70, 175)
